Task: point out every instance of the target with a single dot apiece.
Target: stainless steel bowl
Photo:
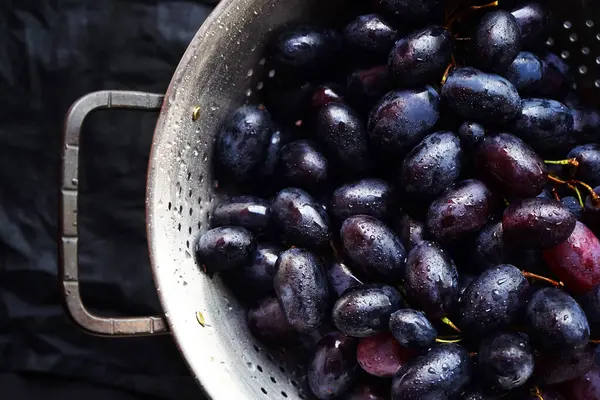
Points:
(221, 69)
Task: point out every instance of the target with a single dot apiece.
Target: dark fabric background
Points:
(52, 52)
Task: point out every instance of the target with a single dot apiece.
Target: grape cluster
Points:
(417, 201)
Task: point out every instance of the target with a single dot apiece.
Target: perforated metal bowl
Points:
(222, 69)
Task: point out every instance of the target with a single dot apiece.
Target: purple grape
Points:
(497, 41)
(505, 360)
(369, 36)
(300, 218)
(342, 132)
(492, 301)
(302, 289)
(365, 87)
(402, 118)
(365, 311)
(431, 279)
(369, 196)
(342, 279)
(267, 322)
(481, 97)
(442, 373)
(242, 143)
(588, 157)
(250, 212)
(432, 165)
(537, 223)
(373, 247)
(421, 57)
(302, 165)
(533, 21)
(525, 72)
(333, 368)
(412, 329)
(225, 248)
(463, 209)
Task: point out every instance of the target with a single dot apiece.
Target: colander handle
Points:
(68, 250)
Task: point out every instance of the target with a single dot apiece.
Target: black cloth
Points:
(51, 53)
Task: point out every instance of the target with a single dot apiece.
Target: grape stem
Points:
(572, 187)
(542, 278)
(535, 391)
(447, 321)
(568, 161)
(555, 194)
(595, 197)
(594, 341)
(447, 71)
(440, 340)
(492, 4)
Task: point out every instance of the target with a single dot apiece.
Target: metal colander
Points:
(221, 69)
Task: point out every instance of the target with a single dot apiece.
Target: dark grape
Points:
(267, 322)
(242, 143)
(537, 223)
(463, 209)
(492, 301)
(432, 166)
(249, 212)
(505, 360)
(344, 135)
(302, 289)
(381, 355)
(402, 118)
(341, 278)
(333, 368)
(556, 77)
(300, 218)
(302, 165)
(373, 247)
(586, 125)
(533, 22)
(591, 211)
(267, 169)
(544, 124)
(497, 41)
(410, 231)
(525, 73)
(588, 170)
(481, 97)
(471, 134)
(225, 248)
(442, 373)
(369, 391)
(421, 57)
(369, 196)
(556, 321)
(365, 311)
(572, 204)
(412, 329)
(509, 165)
(324, 95)
(590, 302)
(431, 279)
(304, 52)
(410, 12)
(576, 261)
(491, 249)
(255, 279)
(370, 37)
(555, 367)
(366, 87)
(586, 387)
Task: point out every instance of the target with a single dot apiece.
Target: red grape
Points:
(576, 261)
(381, 355)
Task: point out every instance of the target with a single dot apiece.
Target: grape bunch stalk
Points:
(415, 202)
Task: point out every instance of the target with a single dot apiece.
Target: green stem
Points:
(447, 321)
